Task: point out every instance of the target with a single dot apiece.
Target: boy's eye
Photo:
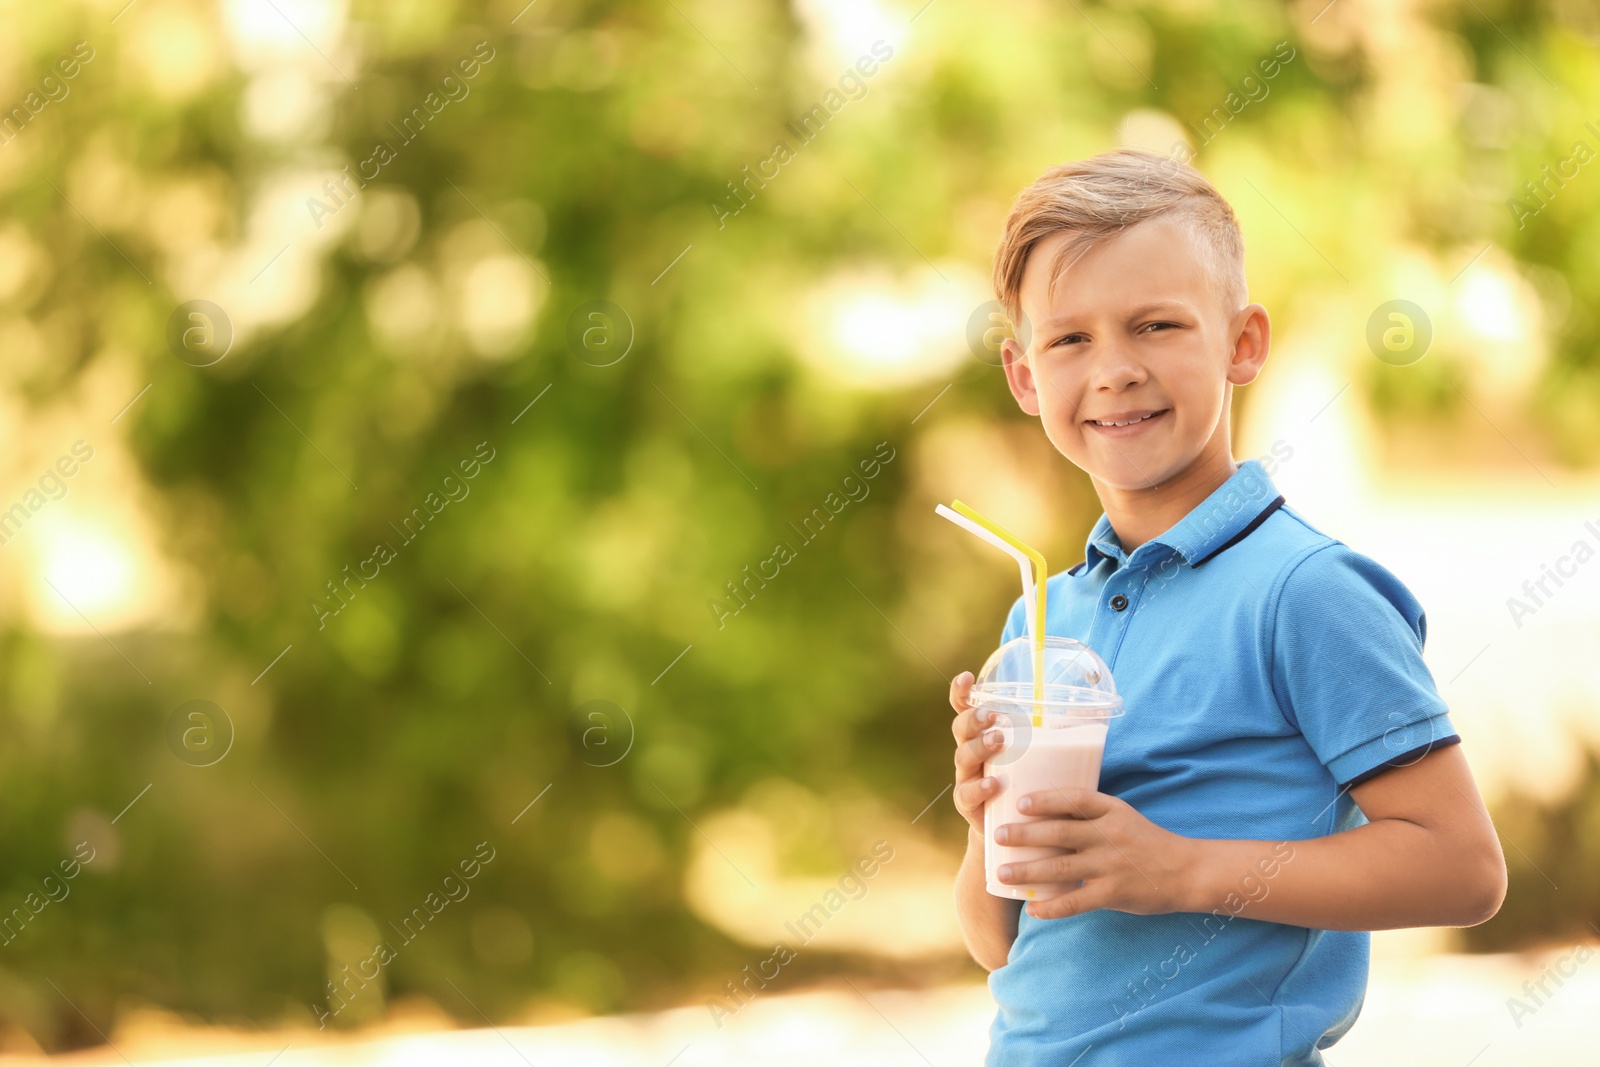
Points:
(1073, 338)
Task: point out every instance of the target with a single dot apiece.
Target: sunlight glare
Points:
(88, 567)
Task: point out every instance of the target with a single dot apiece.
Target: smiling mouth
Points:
(1132, 418)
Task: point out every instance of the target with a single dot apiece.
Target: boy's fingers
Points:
(969, 724)
(1052, 870)
(960, 692)
(1052, 833)
(971, 795)
(977, 750)
(1072, 803)
(970, 759)
(1091, 896)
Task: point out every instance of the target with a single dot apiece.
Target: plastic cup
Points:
(1078, 708)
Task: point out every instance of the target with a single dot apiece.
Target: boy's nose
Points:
(1115, 369)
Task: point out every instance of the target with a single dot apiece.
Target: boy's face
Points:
(1135, 332)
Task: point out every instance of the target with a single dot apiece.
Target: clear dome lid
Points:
(1077, 682)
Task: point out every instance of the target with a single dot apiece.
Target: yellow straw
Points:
(1040, 573)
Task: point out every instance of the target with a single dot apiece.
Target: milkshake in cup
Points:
(1053, 737)
(1055, 702)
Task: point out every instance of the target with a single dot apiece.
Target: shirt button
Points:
(1119, 602)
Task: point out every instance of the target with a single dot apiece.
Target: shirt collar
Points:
(1217, 523)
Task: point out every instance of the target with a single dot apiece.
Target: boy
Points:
(1285, 776)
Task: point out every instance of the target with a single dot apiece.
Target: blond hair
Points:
(1100, 197)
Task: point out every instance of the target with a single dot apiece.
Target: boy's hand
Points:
(1125, 861)
(972, 789)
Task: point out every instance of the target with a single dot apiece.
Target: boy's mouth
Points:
(1127, 423)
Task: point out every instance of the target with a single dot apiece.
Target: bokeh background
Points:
(438, 379)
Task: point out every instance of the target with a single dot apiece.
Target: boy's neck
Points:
(1144, 512)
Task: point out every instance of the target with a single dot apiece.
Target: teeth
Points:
(1130, 422)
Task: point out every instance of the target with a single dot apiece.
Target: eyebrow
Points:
(1142, 309)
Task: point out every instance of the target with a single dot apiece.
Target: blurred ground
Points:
(1437, 1011)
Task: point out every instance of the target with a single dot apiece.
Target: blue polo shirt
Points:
(1265, 668)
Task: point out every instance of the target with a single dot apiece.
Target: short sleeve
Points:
(1347, 666)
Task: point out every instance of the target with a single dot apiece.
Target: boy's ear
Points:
(1019, 376)
(1251, 341)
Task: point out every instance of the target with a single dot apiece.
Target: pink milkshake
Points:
(1054, 758)
(1054, 737)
